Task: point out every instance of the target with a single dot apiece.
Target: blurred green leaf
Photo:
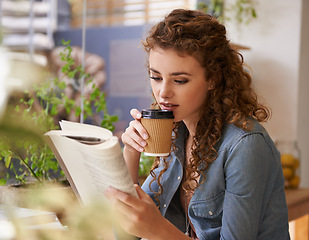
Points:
(7, 161)
(2, 181)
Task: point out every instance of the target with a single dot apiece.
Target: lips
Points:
(168, 106)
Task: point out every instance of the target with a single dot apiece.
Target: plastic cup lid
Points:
(157, 114)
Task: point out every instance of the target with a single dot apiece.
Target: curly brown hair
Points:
(232, 99)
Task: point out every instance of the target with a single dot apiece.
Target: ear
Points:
(211, 85)
(213, 80)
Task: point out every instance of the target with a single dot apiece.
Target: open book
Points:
(91, 158)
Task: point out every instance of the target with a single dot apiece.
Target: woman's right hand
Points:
(135, 135)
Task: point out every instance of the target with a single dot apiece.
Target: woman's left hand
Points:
(137, 216)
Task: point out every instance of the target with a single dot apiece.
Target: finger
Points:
(133, 140)
(123, 202)
(141, 194)
(135, 114)
(136, 215)
(121, 208)
(123, 197)
(111, 192)
(139, 129)
(118, 199)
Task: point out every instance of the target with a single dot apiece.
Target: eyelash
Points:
(181, 81)
(155, 78)
(176, 81)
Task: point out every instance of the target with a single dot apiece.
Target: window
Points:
(124, 12)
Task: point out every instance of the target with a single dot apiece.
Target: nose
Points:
(166, 90)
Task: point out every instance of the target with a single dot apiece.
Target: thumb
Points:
(141, 194)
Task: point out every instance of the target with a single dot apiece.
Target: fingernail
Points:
(143, 143)
(141, 149)
(138, 115)
(145, 136)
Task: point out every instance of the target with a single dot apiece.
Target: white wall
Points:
(279, 68)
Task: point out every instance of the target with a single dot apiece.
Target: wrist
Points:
(169, 231)
(132, 159)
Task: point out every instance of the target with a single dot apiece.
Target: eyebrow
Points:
(171, 74)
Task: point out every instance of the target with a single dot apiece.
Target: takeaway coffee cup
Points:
(159, 125)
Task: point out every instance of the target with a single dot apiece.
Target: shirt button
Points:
(210, 213)
(164, 205)
(178, 178)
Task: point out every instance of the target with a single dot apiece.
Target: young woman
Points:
(223, 178)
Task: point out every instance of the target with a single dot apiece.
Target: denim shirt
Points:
(242, 196)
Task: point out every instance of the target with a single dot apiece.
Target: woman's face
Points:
(178, 83)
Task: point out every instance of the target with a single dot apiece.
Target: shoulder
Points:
(235, 131)
(233, 135)
(250, 147)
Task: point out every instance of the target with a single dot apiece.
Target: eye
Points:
(155, 78)
(181, 81)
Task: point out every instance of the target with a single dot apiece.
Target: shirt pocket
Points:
(209, 211)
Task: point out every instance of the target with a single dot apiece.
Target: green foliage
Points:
(244, 10)
(22, 148)
(215, 7)
(96, 102)
(145, 165)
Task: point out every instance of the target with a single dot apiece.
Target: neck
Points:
(191, 123)
(189, 142)
(191, 129)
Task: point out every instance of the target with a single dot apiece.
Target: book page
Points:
(90, 169)
(88, 129)
(110, 170)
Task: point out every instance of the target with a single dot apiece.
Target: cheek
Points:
(198, 95)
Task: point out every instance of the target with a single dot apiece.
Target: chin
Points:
(177, 120)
